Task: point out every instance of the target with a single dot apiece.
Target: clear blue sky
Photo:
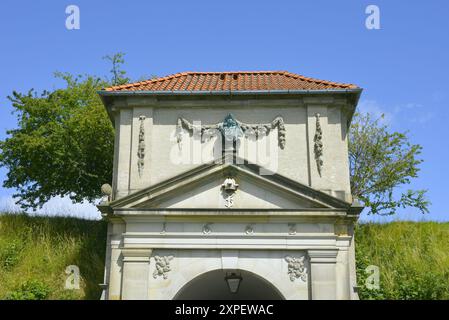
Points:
(403, 67)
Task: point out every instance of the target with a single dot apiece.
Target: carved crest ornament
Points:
(229, 187)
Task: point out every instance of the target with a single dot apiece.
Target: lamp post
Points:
(233, 280)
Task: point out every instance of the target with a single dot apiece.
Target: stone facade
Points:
(182, 210)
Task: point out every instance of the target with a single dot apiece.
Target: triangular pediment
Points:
(202, 188)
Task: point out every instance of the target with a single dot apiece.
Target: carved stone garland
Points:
(318, 144)
(238, 128)
(296, 268)
(162, 266)
(141, 146)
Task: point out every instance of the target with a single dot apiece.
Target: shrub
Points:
(417, 286)
(30, 290)
(10, 255)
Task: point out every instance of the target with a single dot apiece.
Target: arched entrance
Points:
(213, 285)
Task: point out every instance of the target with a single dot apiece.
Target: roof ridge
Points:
(161, 81)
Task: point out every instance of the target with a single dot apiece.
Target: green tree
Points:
(63, 143)
(118, 75)
(380, 162)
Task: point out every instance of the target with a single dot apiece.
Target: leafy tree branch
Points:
(380, 163)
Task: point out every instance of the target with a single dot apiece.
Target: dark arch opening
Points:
(213, 286)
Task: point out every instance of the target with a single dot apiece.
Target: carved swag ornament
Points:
(231, 129)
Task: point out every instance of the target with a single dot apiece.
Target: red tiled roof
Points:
(232, 81)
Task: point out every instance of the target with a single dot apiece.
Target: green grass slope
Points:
(413, 258)
(35, 251)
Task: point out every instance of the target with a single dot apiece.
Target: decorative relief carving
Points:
(296, 268)
(164, 228)
(249, 229)
(207, 229)
(162, 266)
(231, 129)
(141, 146)
(292, 228)
(229, 187)
(318, 144)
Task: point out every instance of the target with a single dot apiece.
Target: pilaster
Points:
(323, 274)
(136, 270)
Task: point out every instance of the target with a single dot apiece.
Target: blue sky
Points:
(402, 67)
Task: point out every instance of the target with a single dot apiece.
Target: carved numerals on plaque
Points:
(296, 268)
(162, 266)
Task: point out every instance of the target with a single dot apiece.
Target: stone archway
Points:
(212, 286)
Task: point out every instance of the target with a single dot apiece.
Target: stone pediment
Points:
(204, 188)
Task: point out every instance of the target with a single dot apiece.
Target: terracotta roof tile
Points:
(232, 81)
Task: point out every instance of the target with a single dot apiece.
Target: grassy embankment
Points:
(35, 251)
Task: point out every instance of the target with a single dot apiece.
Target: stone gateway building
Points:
(230, 185)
